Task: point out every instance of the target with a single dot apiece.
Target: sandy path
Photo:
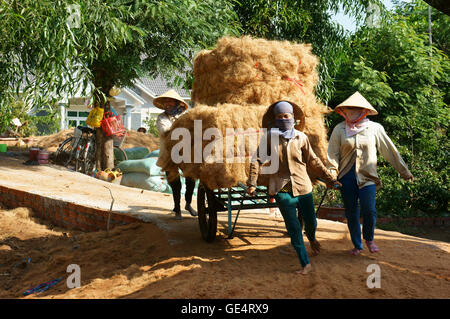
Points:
(165, 258)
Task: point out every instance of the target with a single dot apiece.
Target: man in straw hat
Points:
(352, 158)
(174, 106)
(291, 185)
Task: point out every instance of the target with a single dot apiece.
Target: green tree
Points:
(151, 123)
(416, 13)
(407, 81)
(58, 45)
(45, 123)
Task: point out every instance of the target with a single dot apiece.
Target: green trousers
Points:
(288, 205)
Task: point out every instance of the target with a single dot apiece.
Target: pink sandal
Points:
(355, 251)
(372, 247)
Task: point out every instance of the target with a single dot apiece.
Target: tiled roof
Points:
(135, 90)
(159, 86)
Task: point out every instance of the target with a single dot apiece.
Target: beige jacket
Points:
(299, 155)
(361, 149)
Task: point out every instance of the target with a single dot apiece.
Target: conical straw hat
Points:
(171, 94)
(357, 100)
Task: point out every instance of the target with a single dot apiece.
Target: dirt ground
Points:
(166, 258)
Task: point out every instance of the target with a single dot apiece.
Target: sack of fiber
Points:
(245, 61)
(268, 58)
(220, 146)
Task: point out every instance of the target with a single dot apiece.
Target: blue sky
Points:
(349, 23)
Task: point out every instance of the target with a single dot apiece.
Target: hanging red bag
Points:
(112, 124)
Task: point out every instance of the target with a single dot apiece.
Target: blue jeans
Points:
(288, 205)
(366, 195)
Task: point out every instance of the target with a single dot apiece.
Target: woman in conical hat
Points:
(289, 182)
(174, 106)
(352, 159)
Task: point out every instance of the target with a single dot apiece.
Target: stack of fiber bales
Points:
(248, 71)
(234, 84)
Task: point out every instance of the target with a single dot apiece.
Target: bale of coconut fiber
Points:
(245, 61)
(216, 171)
(219, 147)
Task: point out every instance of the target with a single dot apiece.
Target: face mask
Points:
(284, 124)
(175, 110)
(352, 115)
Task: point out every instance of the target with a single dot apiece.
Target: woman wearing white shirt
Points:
(352, 159)
(174, 106)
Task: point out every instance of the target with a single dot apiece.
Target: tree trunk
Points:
(98, 149)
(105, 149)
(108, 152)
(104, 144)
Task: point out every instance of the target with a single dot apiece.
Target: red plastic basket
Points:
(112, 124)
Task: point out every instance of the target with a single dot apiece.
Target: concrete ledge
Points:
(64, 214)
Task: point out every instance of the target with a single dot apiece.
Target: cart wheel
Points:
(207, 213)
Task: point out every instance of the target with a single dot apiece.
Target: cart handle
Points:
(335, 186)
(245, 193)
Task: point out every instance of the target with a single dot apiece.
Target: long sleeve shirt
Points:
(295, 156)
(361, 150)
(163, 125)
(164, 122)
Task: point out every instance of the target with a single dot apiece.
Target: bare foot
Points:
(305, 270)
(315, 247)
